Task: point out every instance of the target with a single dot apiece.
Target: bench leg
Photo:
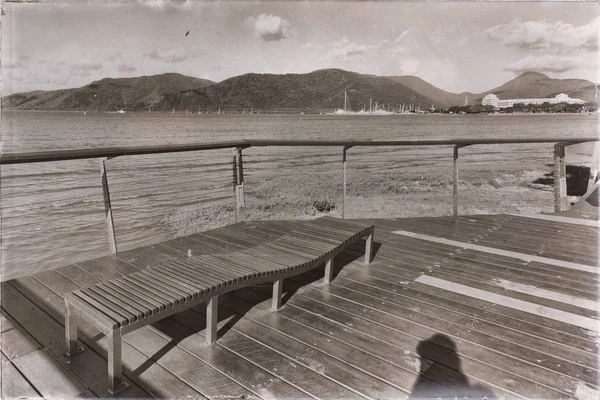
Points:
(73, 346)
(211, 319)
(277, 289)
(369, 249)
(329, 270)
(115, 373)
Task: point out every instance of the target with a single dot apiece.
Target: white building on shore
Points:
(493, 100)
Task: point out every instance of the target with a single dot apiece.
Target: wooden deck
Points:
(511, 314)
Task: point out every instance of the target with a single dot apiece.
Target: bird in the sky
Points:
(187, 33)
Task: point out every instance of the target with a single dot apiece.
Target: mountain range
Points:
(318, 90)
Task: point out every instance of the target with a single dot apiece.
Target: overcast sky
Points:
(455, 46)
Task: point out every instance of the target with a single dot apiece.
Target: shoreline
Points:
(299, 112)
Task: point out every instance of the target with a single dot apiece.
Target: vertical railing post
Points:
(112, 241)
(345, 182)
(595, 160)
(455, 179)
(239, 185)
(560, 178)
(455, 183)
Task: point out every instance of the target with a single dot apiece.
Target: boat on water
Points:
(121, 111)
(347, 110)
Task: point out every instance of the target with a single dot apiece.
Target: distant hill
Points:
(109, 94)
(527, 85)
(441, 98)
(321, 90)
(536, 85)
(318, 90)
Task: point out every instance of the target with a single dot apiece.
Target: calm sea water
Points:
(53, 213)
(40, 131)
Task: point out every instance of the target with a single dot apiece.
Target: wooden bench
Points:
(122, 305)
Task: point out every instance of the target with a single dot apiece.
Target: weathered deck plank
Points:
(14, 340)
(14, 384)
(48, 377)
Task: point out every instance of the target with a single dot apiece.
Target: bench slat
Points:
(164, 291)
(93, 309)
(226, 265)
(208, 282)
(173, 275)
(202, 272)
(268, 254)
(144, 295)
(108, 307)
(135, 301)
(177, 288)
(162, 298)
(109, 297)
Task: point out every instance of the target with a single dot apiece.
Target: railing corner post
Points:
(560, 178)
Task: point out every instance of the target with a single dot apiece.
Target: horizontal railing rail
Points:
(111, 152)
(103, 154)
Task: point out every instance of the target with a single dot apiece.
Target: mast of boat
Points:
(345, 100)
(466, 100)
(219, 112)
(371, 105)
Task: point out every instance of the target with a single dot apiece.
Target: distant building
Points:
(493, 100)
(490, 100)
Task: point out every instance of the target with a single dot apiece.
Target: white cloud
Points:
(166, 5)
(85, 67)
(545, 63)
(343, 50)
(126, 68)
(171, 56)
(269, 27)
(404, 35)
(558, 37)
(409, 66)
(114, 57)
(17, 65)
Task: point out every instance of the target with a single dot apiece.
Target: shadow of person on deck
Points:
(440, 374)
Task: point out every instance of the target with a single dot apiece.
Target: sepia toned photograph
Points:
(299, 200)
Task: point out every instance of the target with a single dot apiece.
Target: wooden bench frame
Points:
(115, 332)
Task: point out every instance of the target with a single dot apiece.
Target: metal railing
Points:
(103, 154)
